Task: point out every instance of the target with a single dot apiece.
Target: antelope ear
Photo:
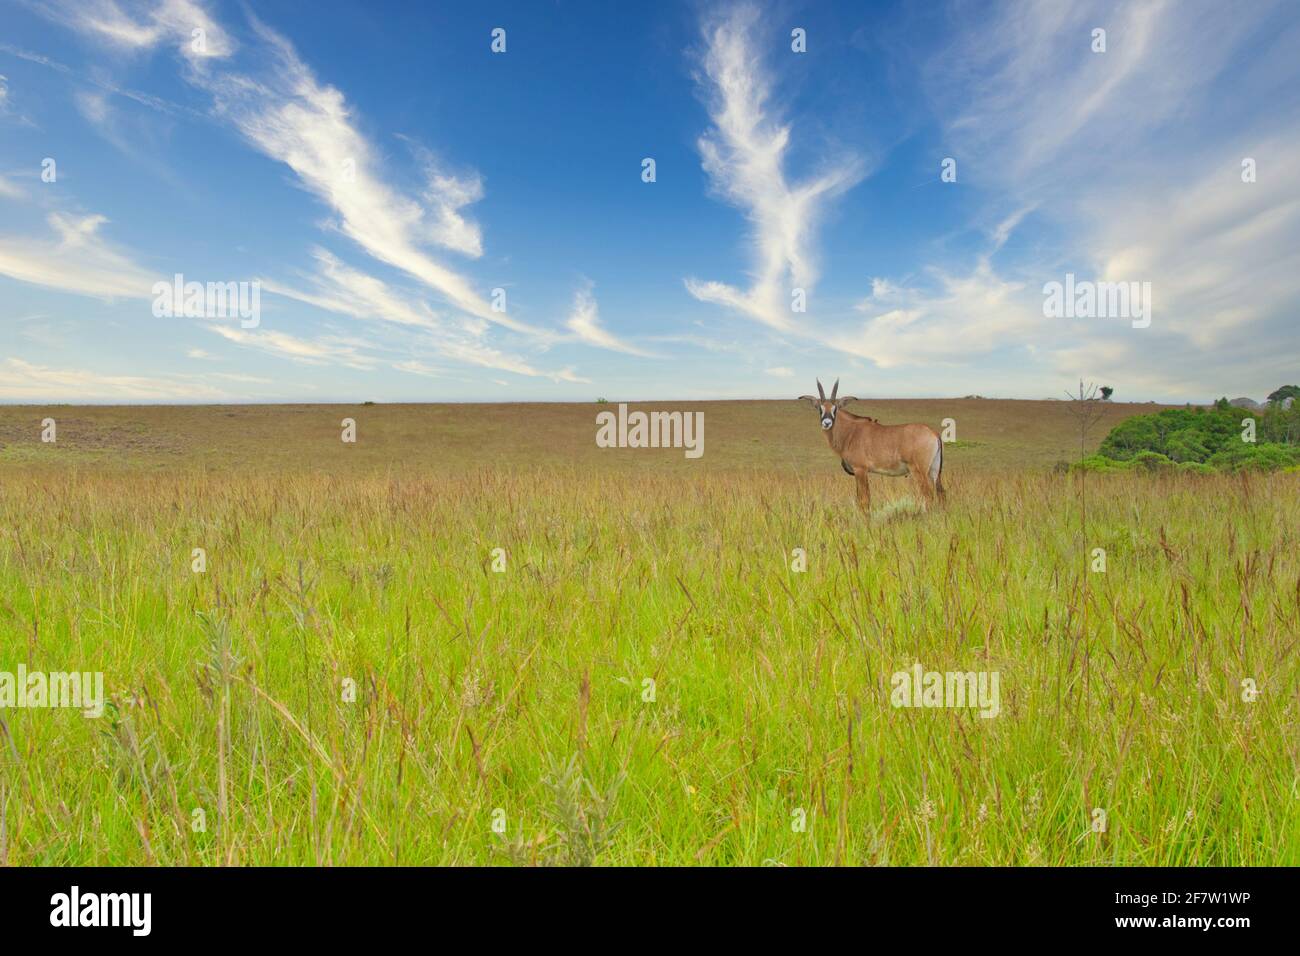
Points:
(809, 399)
(841, 402)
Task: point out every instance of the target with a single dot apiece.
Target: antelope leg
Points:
(864, 492)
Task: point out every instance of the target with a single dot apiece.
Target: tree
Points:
(1286, 391)
(1085, 408)
(1106, 393)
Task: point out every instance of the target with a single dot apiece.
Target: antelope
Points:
(865, 446)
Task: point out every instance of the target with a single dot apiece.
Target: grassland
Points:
(521, 697)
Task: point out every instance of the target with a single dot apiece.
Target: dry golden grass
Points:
(445, 439)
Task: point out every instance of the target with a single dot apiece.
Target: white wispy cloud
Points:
(76, 259)
(287, 114)
(1107, 153)
(950, 321)
(93, 105)
(955, 315)
(95, 78)
(95, 108)
(20, 379)
(419, 368)
(1223, 260)
(1221, 254)
(1023, 94)
(744, 154)
(145, 26)
(339, 288)
(1132, 157)
(584, 322)
(445, 195)
(322, 350)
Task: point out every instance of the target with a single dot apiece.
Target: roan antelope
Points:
(865, 446)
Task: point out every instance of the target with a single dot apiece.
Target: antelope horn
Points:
(819, 390)
(835, 388)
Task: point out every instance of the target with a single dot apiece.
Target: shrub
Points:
(1266, 456)
(1101, 463)
(1128, 438)
(1210, 438)
(1189, 447)
(1150, 461)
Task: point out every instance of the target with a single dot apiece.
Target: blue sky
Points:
(379, 170)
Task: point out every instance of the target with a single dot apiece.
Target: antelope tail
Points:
(936, 469)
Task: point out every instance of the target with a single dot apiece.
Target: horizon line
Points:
(4, 403)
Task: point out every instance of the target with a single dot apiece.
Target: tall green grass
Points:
(520, 697)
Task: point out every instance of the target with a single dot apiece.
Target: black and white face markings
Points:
(827, 411)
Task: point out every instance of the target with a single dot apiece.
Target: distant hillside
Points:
(764, 435)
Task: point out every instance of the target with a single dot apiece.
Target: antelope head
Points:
(827, 407)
